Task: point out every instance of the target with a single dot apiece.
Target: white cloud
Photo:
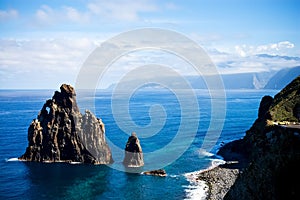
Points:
(46, 15)
(240, 51)
(74, 15)
(285, 44)
(279, 48)
(47, 61)
(125, 10)
(245, 62)
(171, 6)
(275, 47)
(8, 14)
(94, 11)
(24, 63)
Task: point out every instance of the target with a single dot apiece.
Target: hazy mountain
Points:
(262, 80)
(277, 56)
(236, 81)
(282, 78)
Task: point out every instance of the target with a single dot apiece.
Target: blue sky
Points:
(43, 43)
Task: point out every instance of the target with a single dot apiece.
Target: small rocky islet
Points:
(158, 172)
(133, 152)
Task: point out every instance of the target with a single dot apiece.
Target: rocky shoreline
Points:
(264, 164)
(220, 178)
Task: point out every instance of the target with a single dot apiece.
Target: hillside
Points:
(273, 151)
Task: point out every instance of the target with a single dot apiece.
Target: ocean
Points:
(26, 180)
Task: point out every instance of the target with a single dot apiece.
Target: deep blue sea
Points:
(25, 180)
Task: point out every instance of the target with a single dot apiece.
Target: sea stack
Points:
(133, 152)
(62, 134)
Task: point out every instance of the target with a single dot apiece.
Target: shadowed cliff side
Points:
(62, 134)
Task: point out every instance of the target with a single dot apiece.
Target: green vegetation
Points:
(286, 103)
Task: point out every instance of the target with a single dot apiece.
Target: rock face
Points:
(273, 150)
(62, 134)
(133, 152)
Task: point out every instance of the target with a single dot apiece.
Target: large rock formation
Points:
(62, 134)
(133, 152)
(273, 150)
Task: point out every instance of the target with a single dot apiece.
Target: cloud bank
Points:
(53, 61)
(8, 14)
(272, 49)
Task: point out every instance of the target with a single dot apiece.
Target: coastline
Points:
(216, 180)
(219, 180)
(213, 183)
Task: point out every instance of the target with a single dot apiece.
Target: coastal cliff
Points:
(272, 146)
(60, 133)
(264, 164)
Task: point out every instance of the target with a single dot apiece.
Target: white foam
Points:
(197, 190)
(217, 162)
(75, 163)
(60, 161)
(133, 166)
(203, 152)
(12, 160)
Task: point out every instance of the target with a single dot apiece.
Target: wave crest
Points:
(12, 159)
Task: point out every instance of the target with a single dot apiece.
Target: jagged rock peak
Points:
(66, 97)
(67, 90)
(133, 152)
(62, 134)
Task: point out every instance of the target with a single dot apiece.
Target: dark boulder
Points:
(158, 172)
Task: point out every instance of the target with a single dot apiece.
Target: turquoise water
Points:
(23, 180)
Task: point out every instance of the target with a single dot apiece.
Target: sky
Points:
(44, 43)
